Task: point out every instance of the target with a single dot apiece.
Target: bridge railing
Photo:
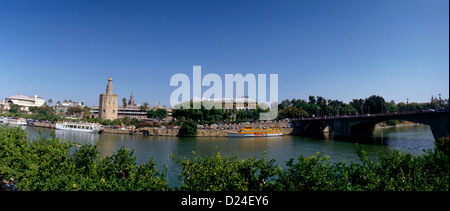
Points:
(366, 115)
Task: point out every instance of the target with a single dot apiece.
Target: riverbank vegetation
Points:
(49, 163)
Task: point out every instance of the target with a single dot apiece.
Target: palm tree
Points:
(86, 112)
(124, 102)
(146, 106)
(50, 101)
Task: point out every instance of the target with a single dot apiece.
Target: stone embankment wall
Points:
(44, 124)
(200, 132)
(174, 132)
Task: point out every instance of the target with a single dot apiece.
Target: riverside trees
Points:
(319, 106)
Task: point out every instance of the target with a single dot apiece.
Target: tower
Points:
(131, 101)
(108, 103)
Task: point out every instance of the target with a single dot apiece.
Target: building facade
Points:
(108, 103)
(24, 101)
(61, 108)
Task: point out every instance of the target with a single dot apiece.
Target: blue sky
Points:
(335, 49)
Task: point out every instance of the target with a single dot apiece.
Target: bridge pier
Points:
(439, 126)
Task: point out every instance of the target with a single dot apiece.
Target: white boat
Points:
(15, 121)
(80, 126)
(256, 132)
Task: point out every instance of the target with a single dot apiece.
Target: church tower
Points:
(131, 101)
(108, 103)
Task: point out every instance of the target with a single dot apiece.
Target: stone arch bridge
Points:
(363, 125)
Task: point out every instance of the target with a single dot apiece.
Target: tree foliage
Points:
(222, 173)
(189, 129)
(51, 164)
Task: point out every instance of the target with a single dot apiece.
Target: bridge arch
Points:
(315, 127)
(145, 132)
(438, 124)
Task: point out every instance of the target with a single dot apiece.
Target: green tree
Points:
(391, 107)
(226, 173)
(161, 113)
(75, 110)
(146, 106)
(86, 112)
(151, 114)
(126, 120)
(375, 104)
(350, 110)
(312, 99)
(14, 108)
(124, 102)
(358, 104)
(241, 115)
(292, 112)
(50, 101)
(401, 107)
(189, 129)
(117, 122)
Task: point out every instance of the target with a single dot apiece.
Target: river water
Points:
(406, 138)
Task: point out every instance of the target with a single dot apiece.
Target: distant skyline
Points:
(340, 50)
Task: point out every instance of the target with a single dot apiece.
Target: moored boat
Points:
(256, 132)
(15, 121)
(80, 126)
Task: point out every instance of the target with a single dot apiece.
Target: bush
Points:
(391, 172)
(312, 174)
(218, 173)
(54, 164)
(189, 129)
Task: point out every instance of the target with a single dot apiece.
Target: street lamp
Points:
(407, 104)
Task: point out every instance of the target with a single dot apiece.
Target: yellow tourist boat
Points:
(256, 132)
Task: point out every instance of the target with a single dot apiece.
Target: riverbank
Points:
(398, 124)
(219, 131)
(174, 132)
(200, 132)
(209, 132)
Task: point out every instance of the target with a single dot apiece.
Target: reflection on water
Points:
(80, 137)
(412, 138)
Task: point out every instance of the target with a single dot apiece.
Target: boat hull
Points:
(15, 122)
(61, 126)
(240, 135)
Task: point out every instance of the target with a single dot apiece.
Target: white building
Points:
(240, 103)
(62, 108)
(25, 101)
